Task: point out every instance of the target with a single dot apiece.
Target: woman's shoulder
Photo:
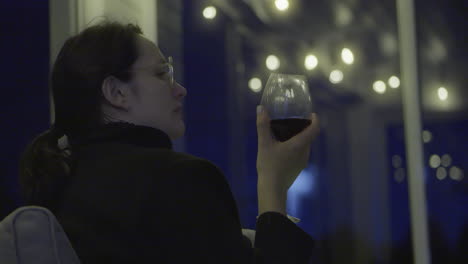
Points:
(159, 161)
(172, 170)
(131, 154)
(133, 165)
(174, 160)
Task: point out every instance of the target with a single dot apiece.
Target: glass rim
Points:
(301, 76)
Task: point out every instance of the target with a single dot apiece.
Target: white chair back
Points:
(32, 235)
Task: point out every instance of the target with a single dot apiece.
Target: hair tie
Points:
(62, 139)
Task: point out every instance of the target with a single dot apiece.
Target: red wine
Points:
(284, 129)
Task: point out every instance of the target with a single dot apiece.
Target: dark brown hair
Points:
(84, 61)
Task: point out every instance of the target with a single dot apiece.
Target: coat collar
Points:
(128, 133)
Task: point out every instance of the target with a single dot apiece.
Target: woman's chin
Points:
(178, 131)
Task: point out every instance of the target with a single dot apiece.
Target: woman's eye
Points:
(160, 73)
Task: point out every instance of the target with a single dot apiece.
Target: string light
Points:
(282, 5)
(272, 62)
(456, 173)
(336, 76)
(310, 62)
(427, 136)
(347, 56)
(209, 12)
(394, 82)
(446, 160)
(379, 87)
(434, 161)
(255, 84)
(441, 173)
(443, 93)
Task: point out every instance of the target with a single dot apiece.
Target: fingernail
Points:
(259, 109)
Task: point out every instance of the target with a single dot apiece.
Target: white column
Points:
(141, 12)
(412, 121)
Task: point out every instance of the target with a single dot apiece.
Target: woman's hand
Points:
(279, 163)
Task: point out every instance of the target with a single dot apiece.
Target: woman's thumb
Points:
(263, 126)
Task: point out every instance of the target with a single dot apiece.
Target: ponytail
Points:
(44, 169)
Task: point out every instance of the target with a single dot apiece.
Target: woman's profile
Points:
(116, 186)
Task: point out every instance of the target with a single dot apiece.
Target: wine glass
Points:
(286, 98)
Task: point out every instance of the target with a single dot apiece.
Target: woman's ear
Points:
(116, 93)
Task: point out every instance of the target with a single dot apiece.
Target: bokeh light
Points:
(379, 87)
(255, 84)
(456, 173)
(209, 12)
(282, 5)
(442, 93)
(441, 173)
(310, 62)
(394, 82)
(426, 136)
(336, 76)
(347, 56)
(434, 161)
(446, 160)
(272, 62)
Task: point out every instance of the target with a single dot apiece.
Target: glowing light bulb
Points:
(427, 136)
(347, 56)
(446, 160)
(379, 87)
(272, 62)
(456, 173)
(434, 161)
(209, 12)
(255, 84)
(310, 62)
(336, 76)
(443, 93)
(394, 82)
(282, 5)
(441, 173)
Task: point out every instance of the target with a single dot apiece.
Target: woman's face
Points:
(155, 102)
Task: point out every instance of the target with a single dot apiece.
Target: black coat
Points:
(132, 199)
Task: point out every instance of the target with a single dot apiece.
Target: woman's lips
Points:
(178, 109)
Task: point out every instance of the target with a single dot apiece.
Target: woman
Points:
(119, 191)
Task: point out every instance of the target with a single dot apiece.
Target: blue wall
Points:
(447, 199)
(24, 47)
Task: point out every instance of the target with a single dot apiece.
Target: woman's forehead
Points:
(149, 54)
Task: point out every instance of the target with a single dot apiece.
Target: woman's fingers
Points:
(263, 126)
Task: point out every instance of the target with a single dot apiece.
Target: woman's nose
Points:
(179, 90)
